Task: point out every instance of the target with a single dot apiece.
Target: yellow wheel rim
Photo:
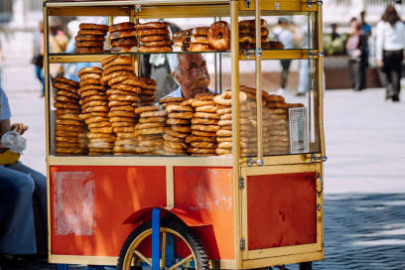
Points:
(132, 256)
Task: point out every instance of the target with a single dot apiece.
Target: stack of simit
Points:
(90, 38)
(123, 38)
(154, 37)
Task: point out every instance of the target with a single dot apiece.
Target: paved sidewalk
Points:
(364, 177)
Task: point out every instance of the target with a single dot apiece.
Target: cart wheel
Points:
(305, 266)
(178, 248)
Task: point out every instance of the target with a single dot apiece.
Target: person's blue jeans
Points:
(19, 232)
(40, 75)
(8, 195)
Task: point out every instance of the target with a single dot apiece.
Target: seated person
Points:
(8, 193)
(18, 234)
(191, 73)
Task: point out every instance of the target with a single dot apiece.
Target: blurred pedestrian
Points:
(57, 44)
(38, 55)
(390, 49)
(356, 47)
(283, 33)
(367, 30)
(304, 75)
(334, 33)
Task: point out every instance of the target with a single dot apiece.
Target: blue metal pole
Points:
(155, 239)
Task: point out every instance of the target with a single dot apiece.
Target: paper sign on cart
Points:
(299, 137)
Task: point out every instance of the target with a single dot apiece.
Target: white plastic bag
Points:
(14, 141)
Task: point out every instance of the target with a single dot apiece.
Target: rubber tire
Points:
(305, 266)
(180, 228)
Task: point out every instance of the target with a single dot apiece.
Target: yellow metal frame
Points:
(272, 164)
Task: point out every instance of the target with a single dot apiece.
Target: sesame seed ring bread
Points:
(200, 103)
(122, 119)
(124, 154)
(101, 130)
(145, 150)
(187, 102)
(109, 139)
(203, 145)
(275, 98)
(69, 122)
(219, 36)
(175, 145)
(63, 80)
(89, 93)
(122, 34)
(207, 108)
(206, 115)
(69, 116)
(174, 121)
(122, 73)
(171, 99)
(277, 111)
(153, 32)
(91, 87)
(69, 128)
(116, 103)
(93, 26)
(131, 41)
(167, 137)
(226, 127)
(153, 113)
(121, 26)
(131, 98)
(90, 76)
(115, 68)
(128, 88)
(275, 105)
(176, 134)
(193, 138)
(193, 150)
(132, 81)
(91, 70)
(94, 103)
(61, 105)
(224, 139)
(209, 128)
(276, 116)
(125, 108)
(155, 49)
(96, 119)
(226, 145)
(149, 125)
(203, 133)
(123, 142)
(89, 38)
(94, 32)
(67, 150)
(200, 31)
(178, 108)
(147, 98)
(89, 50)
(147, 131)
(121, 114)
(152, 25)
(227, 116)
(159, 43)
(125, 49)
(180, 128)
(100, 135)
(272, 132)
(66, 99)
(99, 124)
(204, 121)
(108, 60)
(66, 87)
(224, 133)
(100, 151)
(200, 39)
(96, 109)
(101, 144)
(126, 135)
(64, 133)
(85, 44)
(148, 108)
(73, 139)
(183, 33)
(225, 123)
(198, 47)
(89, 81)
(152, 120)
(174, 151)
(66, 111)
(223, 152)
(93, 98)
(148, 81)
(124, 130)
(224, 111)
(112, 91)
(181, 115)
(122, 60)
(295, 105)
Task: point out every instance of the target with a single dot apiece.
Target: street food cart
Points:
(259, 205)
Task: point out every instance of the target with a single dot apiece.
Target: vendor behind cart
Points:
(191, 73)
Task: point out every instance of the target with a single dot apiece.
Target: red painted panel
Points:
(207, 194)
(90, 203)
(281, 210)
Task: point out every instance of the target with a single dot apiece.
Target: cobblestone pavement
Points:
(364, 179)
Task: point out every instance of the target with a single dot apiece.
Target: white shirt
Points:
(4, 107)
(177, 92)
(389, 38)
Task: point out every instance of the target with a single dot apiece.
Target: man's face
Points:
(194, 76)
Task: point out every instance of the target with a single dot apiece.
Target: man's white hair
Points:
(174, 63)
